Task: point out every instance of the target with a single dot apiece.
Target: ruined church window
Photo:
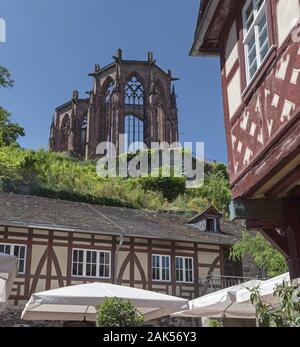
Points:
(109, 91)
(160, 111)
(108, 109)
(65, 132)
(84, 130)
(134, 133)
(134, 92)
(134, 109)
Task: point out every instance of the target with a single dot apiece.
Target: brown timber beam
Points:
(292, 208)
(268, 224)
(269, 215)
(285, 183)
(276, 240)
(257, 209)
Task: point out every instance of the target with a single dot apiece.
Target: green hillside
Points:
(61, 176)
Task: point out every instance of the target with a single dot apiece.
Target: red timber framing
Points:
(263, 131)
(49, 260)
(251, 177)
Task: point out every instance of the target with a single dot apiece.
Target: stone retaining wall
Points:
(12, 318)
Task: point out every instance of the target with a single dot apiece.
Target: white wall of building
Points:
(288, 14)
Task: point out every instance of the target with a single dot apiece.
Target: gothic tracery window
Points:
(135, 113)
(134, 92)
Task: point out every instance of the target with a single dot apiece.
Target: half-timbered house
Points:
(60, 243)
(258, 42)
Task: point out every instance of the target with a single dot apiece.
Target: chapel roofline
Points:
(119, 60)
(69, 103)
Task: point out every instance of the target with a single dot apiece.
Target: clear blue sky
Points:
(52, 45)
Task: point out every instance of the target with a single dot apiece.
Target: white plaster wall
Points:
(231, 54)
(234, 93)
(288, 13)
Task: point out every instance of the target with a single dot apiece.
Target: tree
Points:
(114, 312)
(264, 255)
(216, 191)
(9, 131)
(5, 78)
(216, 168)
(286, 313)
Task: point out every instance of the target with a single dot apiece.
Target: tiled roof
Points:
(32, 211)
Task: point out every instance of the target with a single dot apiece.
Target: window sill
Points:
(91, 278)
(259, 75)
(161, 281)
(182, 283)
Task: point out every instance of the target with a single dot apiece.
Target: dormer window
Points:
(211, 224)
(207, 221)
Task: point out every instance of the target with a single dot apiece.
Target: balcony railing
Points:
(213, 283)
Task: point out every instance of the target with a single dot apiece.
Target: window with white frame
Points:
(184, 269)
(256, 36)
(161, 268)
(91, 263)
(18, 250)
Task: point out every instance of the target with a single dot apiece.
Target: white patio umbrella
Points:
(266, 289)
(8, 272)
(79, 302)
(221, 304)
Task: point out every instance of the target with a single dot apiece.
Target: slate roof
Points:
(211, 211)
(38, 212)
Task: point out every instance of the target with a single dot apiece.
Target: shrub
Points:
(212, 323)
(286, 313)
(114, 312)
(59, 175)
(169, 187)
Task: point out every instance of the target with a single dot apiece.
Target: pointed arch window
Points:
(83, 131)
(109, 90)
(134, 113)
(134, 92)
(161, 112)
(108, 108)
(65, 132)
(134, 133)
